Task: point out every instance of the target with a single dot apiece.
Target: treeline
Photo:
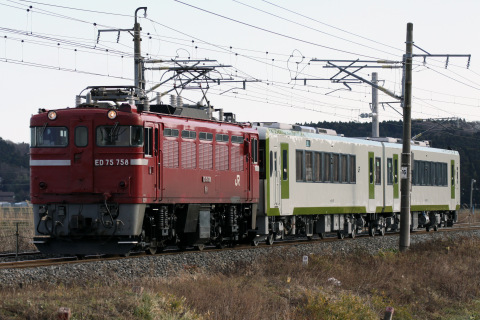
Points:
(458, 135)
(15, 169)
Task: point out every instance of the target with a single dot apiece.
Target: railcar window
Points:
(167, 132)
(370, 168)
(299, 164)
(335, 167)
(318, 167)
(49, 137)
(271, 163)
(205, 136)
(395, 171)
(284, 165)
(81, 136)
(389, 171)
(328, 167)
(378, 170)
(119, 136)
(429, 173)
(308, 166)
(343, 168)
(352, 169)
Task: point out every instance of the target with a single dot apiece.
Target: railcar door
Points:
(251, 165)
(396, 189)
(371, 182)
(276, 176)
(81, 148)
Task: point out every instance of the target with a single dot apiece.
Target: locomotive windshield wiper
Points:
(112, 131)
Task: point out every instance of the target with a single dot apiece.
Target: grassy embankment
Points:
(434, 280)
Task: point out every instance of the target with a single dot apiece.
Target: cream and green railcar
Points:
(317, 183)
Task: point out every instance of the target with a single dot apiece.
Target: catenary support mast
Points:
(406, 172)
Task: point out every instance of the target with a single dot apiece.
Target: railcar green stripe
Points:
(328, 210)
(381, 209)
(438, 207)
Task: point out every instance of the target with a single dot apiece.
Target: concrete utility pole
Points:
(375, 120)
(406, 172)
(138, 59)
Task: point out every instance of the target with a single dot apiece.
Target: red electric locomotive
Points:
(113, 177)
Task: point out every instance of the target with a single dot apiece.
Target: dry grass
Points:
(435, 280)
(9, 218)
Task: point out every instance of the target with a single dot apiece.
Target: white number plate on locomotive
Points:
(111, 162)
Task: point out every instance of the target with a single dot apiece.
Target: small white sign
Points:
(305, 260)
(403, 173)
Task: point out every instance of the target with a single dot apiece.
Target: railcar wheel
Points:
(427, 228)
(371, 231)
(270, 239)
(309, 238)
(435, 228)
(340, 235)
(322, 235)
(381, 231)
(125, 255)
(353, 234)
(254, 243)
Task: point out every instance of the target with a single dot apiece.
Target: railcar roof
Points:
(265, 131)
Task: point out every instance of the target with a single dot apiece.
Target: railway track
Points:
(34, 263)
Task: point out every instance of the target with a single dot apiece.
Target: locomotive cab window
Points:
(119, 136)
(49, 136)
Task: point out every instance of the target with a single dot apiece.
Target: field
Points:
(433, 280)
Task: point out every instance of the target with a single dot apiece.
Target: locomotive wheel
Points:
(151, 250)
(270, 239)
(200, 247)
(322, 235)
(340, 235)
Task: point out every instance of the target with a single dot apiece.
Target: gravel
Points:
(214, 261)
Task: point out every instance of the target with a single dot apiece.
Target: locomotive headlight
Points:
(52, 115)
(112, 114)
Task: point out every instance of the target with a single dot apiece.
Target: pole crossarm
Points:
(386, 91)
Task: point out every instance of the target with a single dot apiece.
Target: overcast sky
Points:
(49, 53)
